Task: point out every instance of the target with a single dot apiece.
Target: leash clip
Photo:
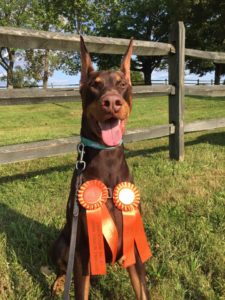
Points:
(80, 164)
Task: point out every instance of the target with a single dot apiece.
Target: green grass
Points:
(26, 123)
(182, 203)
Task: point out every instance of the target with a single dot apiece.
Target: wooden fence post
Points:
(176, 102)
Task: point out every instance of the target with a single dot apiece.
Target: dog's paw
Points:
(58, 285)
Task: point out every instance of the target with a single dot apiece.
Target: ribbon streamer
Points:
(93, 195)
(96, 243)
(110, 232)
(126, 197)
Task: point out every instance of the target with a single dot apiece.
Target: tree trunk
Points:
(148, 66)
(147, 70)
(10, 78)
(148, 76)
(46, 69)
(218, 72)
(11, 54)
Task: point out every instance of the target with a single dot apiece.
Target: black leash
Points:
(80, 167)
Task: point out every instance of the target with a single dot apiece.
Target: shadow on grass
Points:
(217, 138)
(62, 105)
(30, 241)
(145, 152)
(222, 98)
(10, 178)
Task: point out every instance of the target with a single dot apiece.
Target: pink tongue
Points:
(111, 132)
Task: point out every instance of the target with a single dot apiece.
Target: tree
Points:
(20, 78)
(41, 63)
(205, 25)
(137, 77)
(214, 34)
(35, 14)
(7, 61)
(149, 20)
(12, 13)
(79, 17)
(144, 20)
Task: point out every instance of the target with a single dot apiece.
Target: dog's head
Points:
(106, 99)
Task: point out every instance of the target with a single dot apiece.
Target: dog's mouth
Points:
(112, 131)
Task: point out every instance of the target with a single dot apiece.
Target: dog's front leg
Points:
(81, 282)
(138, 279)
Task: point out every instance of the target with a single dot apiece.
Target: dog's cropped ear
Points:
(86, 64)
(125, 64)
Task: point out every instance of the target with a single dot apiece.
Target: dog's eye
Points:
(97, 84)
(121, 84)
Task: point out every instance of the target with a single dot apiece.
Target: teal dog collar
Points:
(96, 145)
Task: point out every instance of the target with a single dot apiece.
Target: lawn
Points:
(26, 123)
(182, 203)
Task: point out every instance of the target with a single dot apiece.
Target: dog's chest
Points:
(108, 166)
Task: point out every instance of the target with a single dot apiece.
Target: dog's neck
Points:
(108, 166)
(86, 130)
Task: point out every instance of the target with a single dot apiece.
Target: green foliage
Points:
(139, 19)
(137, 77)
(70, 63)
(150, 20)
(78, 17)
(16, 13)
(20, 79)
(45, 16)
(40, 64)
(40, 15)
(204, 23)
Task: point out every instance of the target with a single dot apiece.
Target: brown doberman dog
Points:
(107, 102)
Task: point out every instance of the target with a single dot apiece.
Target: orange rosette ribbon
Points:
(93, 195)
(126, 197)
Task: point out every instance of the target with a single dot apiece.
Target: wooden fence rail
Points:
(216, 56)
(38, 96)
(15, 153)
(175, 50)
(28, 151)
(20, 37)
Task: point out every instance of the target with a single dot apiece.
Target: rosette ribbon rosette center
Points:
(93, 195)
(126, 197)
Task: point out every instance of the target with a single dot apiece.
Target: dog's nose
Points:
(111, 103)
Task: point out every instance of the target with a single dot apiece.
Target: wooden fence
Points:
(176, 52)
